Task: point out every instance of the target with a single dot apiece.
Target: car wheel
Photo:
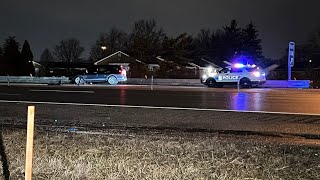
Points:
(245, 83)
(112, 80)
(79, 80)
(211, 83)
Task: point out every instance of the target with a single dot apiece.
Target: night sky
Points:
(44, 23)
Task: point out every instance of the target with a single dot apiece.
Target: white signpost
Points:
(290, 58)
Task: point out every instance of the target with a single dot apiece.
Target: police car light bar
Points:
(238, 65)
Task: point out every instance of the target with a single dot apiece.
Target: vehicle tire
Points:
(112, 80)
(79, 80)
(211, 83)
(245, 83)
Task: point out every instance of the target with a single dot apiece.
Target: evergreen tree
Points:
(314, 50)
(2, 63)
(251, 44)
(218, 46)
(179, 49)
(232, 40)
(203, 44)
(11, 56)
(27, 67)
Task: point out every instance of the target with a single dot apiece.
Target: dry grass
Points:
(80, 156)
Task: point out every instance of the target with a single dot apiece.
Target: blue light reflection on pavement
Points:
(244, 101)
(240, 101)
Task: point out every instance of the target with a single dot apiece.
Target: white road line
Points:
(158, 107)
(8, 94)
(59, 91)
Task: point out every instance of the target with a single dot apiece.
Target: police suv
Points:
(246, 76)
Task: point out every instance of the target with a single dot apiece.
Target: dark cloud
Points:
(44, 23)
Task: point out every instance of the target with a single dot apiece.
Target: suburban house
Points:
(118, 58)
(197, 66)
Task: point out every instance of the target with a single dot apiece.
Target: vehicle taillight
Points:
(123, 72)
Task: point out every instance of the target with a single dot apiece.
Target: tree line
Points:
(16, 62)
(307, 53)
(147, 41)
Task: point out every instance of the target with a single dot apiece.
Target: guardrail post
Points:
(238, 83)
(151, 82)
(8, 79)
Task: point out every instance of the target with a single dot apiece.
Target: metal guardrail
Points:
(174, 82)
(196, 82)
(34, 80)
(154, 81)
(287, 84)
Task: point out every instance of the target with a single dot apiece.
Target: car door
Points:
(103, 72)
(224, 75)
(91, 74)
(235, 74)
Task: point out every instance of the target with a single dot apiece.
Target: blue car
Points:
(111, 74)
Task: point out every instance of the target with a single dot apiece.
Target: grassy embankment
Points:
(84, 156)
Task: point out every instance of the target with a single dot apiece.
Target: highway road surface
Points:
(289, 111)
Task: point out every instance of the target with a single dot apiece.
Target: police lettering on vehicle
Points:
(220, 78)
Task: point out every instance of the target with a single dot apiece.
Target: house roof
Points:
(117, 57)
(35, 63)
(186, 64)
(205, 63)
(154, 60)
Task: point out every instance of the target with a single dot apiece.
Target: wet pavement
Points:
(302, 101)
(263, 112)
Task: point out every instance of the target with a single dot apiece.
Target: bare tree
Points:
(146, 39)
(46, 56)
(203, 44)
(68, 50)
(108, 43)
(117, 40)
